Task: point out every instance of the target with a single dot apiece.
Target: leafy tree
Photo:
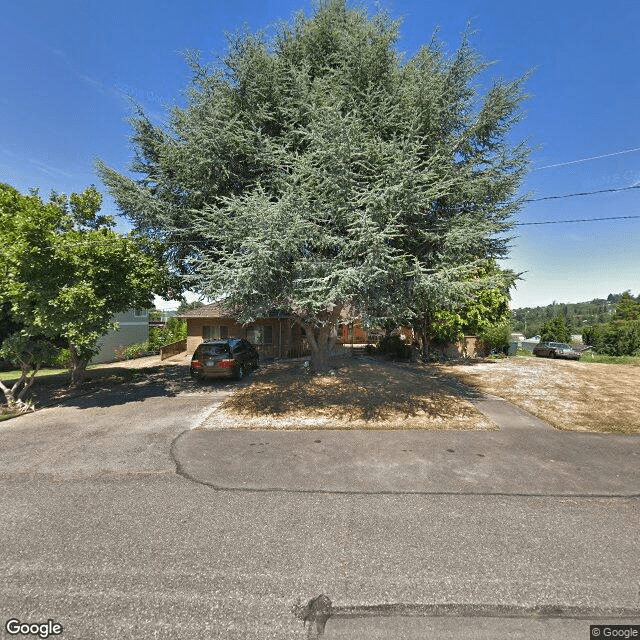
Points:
(621, 338)
(496, 336)
(65, 273)
(580, 315)
(28, 354)
(555, 330)
(590, 335)
(615, 338)
(317, 172)
(627, 308)
(483, 307)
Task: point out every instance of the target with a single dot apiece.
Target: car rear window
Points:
(212, 350)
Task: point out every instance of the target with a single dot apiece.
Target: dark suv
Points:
(223, 359)
(556, 350)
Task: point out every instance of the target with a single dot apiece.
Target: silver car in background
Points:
(555, 350)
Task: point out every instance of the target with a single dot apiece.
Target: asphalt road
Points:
(103, 532)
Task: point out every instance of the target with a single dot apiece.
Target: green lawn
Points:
(604, 359)
(589, 356)
(16, 373)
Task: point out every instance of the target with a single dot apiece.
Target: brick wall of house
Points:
(285, 339)
(195, 325)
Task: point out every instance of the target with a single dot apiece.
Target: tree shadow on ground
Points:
(364, 388)
(111, 386)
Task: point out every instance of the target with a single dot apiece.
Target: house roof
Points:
(213, 310)
(218, 310)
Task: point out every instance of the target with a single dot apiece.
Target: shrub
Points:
(133, 351)
(63, 359)
(394, 347)
(174, 331)
(496, 337)
(616, 338)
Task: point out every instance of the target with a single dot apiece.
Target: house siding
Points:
(133, 330)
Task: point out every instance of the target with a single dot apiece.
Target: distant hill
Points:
(529, 320)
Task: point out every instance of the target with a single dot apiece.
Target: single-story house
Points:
(275, 335)
(530, 343)
(134, 329)
(354, 333)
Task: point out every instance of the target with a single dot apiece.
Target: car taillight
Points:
(196, 364)
(225, 363)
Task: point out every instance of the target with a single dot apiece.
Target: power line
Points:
(606, 155)
(585, 193)
(523, 224)
(517, 224)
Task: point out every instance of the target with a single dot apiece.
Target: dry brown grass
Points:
(575, 396)
(365, 393)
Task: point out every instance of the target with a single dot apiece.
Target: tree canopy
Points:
(65, 273)
(317, 172)
(555, 330)
(620, 336)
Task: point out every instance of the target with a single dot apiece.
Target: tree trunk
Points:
(9, 393)
(77, 367)
(320, 343)
(14, 398)
(320, 357)
(321, 340)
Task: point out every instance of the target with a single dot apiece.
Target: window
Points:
(139, 313)
(260, 334)
(215, 332)
(211, 350)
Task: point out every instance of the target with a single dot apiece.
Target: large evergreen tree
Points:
(317, 172)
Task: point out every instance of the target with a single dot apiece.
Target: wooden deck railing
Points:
(173, 349)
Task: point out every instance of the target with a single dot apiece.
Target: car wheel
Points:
(240, 373)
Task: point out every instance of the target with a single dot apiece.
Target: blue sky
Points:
(68, 68)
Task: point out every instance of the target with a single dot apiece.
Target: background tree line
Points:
(576, 315)
(614, 328)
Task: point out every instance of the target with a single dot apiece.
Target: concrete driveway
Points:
(122, 519)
